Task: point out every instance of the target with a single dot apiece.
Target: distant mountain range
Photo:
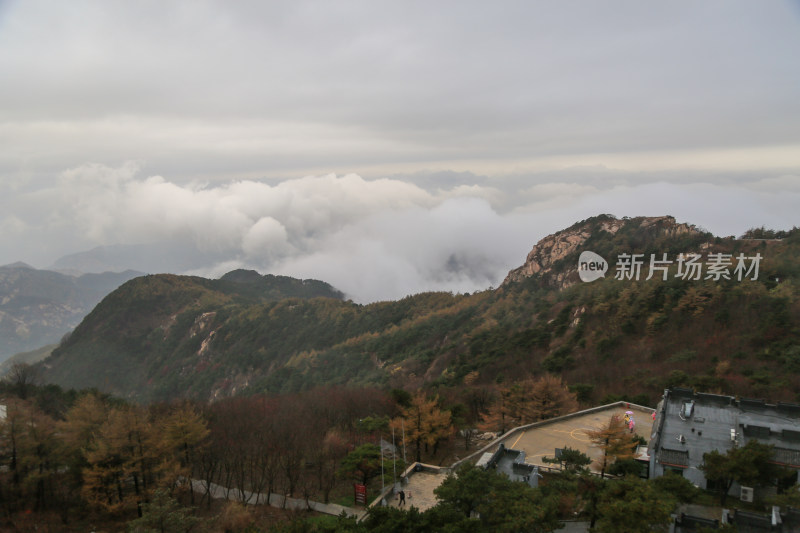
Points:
(668, 305)
(150, 258)
(37, 307)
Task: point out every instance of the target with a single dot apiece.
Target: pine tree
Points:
(631, 505)
(363, 463)
(163, 514)
(748, 465)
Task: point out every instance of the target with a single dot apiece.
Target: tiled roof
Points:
(674, 457)
(747, 521)
(758, 432)
(785, 456)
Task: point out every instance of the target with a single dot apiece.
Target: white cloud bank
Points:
(373, 239)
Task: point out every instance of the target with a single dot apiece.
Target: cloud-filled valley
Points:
(372, 238)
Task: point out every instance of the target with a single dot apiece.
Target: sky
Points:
(387, 148)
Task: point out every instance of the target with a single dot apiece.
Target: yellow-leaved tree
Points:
(182, 433)
(614, 441)
(548, 397)
(424, 423)
(503, 413)
(529, 401)
(127, 460)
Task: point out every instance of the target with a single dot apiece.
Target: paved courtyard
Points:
(542, 440)
(419, 490)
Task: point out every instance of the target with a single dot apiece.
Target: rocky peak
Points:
(553, 248)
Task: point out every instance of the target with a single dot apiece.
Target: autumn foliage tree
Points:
(424, 423)
(548, 397)
(503, 414)
(529, 401)
(124, 453)
(182, 433)
(614, 441)
(32, 456)
(121, 462)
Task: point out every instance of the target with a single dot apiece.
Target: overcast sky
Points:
(386, 147)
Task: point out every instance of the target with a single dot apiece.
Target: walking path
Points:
(275, 500)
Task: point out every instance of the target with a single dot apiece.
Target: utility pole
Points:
(394, 460)
(403, 426)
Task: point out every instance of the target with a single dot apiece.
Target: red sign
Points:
(360, 494)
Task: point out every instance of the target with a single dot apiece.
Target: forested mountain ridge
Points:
(161, 337)
(157, 327)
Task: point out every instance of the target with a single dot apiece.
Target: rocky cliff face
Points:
(543, 258)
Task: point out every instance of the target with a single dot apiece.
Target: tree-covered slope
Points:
(165, 336)
(143, 335)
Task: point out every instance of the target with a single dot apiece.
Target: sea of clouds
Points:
(374, 239)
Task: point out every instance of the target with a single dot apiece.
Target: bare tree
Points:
(22, 378)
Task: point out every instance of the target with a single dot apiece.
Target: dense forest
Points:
(76, 458)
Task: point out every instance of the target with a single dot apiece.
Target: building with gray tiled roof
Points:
(689, 425)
